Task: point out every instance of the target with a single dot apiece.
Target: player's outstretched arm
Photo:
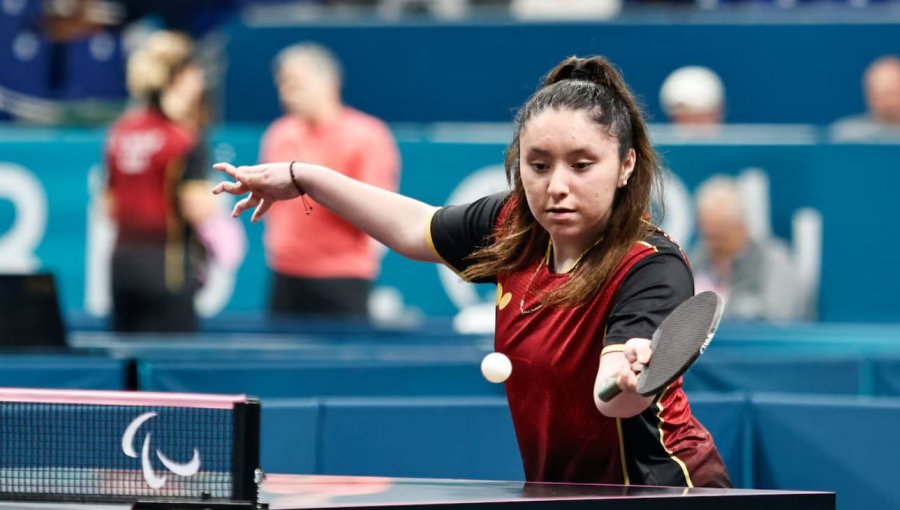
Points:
(618, 364)
(395, 220)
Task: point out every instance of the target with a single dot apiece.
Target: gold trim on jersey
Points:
(174, 254)
(612, 348)
(659, 424)
(648, 245)
(626, 481)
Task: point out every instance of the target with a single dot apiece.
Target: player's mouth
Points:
(560, 213)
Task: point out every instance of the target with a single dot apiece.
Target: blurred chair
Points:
(30, 315)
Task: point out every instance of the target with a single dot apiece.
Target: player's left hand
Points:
(266, 183)
(637, 350)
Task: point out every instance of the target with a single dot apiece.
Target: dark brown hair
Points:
(592, 85)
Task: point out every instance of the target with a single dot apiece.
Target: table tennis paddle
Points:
(678, 341)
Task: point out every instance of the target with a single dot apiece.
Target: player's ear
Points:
(627, 167)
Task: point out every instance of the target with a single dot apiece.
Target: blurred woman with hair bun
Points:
(156, 164)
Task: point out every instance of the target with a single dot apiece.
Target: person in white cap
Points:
(693, 96)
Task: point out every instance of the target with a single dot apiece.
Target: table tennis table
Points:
(282, 492)
(119, 450)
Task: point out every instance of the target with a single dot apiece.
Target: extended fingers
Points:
(228, 168)
(261, 209)
(249, 202)
(234, 188)
(251, 176)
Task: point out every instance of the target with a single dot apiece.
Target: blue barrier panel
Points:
(725, 417)
(434, 437)
(299, 379)
(468, 438)
(62, 372)
(763, 372)
(308, 343)
(289, 437)
(886, 377)
(803, 339)
(828, 443)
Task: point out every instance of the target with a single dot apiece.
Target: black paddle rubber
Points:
(678, 341)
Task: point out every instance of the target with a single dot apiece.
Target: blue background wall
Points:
(852, 185)
(774, 72)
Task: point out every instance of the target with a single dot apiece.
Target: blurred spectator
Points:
(157, 194)
(66, 20)
(65, 59)
(881, 85)
(755, 276)
(565, 9)
(693, 96)
(322, 264)
(443, 9)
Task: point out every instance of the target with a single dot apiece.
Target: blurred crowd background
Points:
(762, 92)
(778, 120)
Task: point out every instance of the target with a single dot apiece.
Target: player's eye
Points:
(582, 165)
(538, 166)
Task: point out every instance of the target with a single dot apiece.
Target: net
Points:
(115, 446)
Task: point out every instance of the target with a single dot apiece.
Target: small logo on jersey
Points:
(153, 480)
(502, 299)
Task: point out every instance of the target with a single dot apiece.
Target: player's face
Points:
(570, 169)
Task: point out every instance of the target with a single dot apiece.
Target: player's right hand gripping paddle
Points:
(678, 341)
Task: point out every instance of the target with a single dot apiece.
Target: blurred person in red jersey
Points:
(156, 195)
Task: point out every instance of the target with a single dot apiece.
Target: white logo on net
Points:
(153, 480)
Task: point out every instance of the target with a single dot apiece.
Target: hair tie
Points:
(581, 74)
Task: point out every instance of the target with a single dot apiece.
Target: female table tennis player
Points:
(583, 279)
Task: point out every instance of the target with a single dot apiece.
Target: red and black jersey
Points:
(146, 158)
(555, 353)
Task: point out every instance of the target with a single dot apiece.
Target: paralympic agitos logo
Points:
(153, 480)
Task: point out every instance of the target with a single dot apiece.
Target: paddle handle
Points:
(610, 388)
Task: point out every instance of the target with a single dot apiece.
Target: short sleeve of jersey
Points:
(651, 290)
(457, 231)
(196, 163)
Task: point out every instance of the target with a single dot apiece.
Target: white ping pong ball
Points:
(496, 367)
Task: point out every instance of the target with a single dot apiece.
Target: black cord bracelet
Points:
(306, 206)
(294, 180)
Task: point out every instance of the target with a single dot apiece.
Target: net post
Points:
(245, 451)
